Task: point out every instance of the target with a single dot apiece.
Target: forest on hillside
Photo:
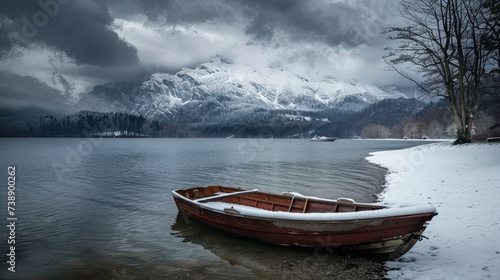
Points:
(391, 118)
(77, 125)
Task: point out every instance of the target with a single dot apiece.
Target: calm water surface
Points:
(102, 209)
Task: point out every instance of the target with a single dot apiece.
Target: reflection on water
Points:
(92, 265)
(110, 211)
(268, 261)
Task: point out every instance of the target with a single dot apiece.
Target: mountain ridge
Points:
(220, 89)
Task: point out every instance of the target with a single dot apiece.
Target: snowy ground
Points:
(463, 183)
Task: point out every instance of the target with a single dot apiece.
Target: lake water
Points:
(102, 209)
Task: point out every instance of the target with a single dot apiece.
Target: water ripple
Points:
(116, 200)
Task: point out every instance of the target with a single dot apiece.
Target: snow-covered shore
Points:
(463, 183)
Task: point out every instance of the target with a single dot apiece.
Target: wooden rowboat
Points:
(295, 220)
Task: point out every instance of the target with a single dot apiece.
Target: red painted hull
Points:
(391, 235)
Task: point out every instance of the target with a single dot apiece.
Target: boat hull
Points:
(389, 237)
(323, 139)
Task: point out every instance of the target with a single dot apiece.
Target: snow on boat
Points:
(295, 220)
(323, 138)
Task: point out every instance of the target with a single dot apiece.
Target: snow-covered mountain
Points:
(220, 89)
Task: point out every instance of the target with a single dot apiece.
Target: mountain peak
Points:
(219, 59)
(219, 89)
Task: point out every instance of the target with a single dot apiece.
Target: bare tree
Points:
(443, 48)
(490, 13)
(375, 131)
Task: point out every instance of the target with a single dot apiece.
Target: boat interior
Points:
(286, 202)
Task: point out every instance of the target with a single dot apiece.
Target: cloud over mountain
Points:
(72, 45)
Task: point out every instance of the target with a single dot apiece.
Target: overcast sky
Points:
(61, 48)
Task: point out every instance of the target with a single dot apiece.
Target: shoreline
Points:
(409, 140)
(461, 182)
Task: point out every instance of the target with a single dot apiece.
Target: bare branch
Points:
(449, 42)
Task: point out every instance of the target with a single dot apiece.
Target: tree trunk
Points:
(445, 42)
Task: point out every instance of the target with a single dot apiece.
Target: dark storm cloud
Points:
(78, 28)
(27, 94)
(177, 11)
(333, 23)
(312, 21)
